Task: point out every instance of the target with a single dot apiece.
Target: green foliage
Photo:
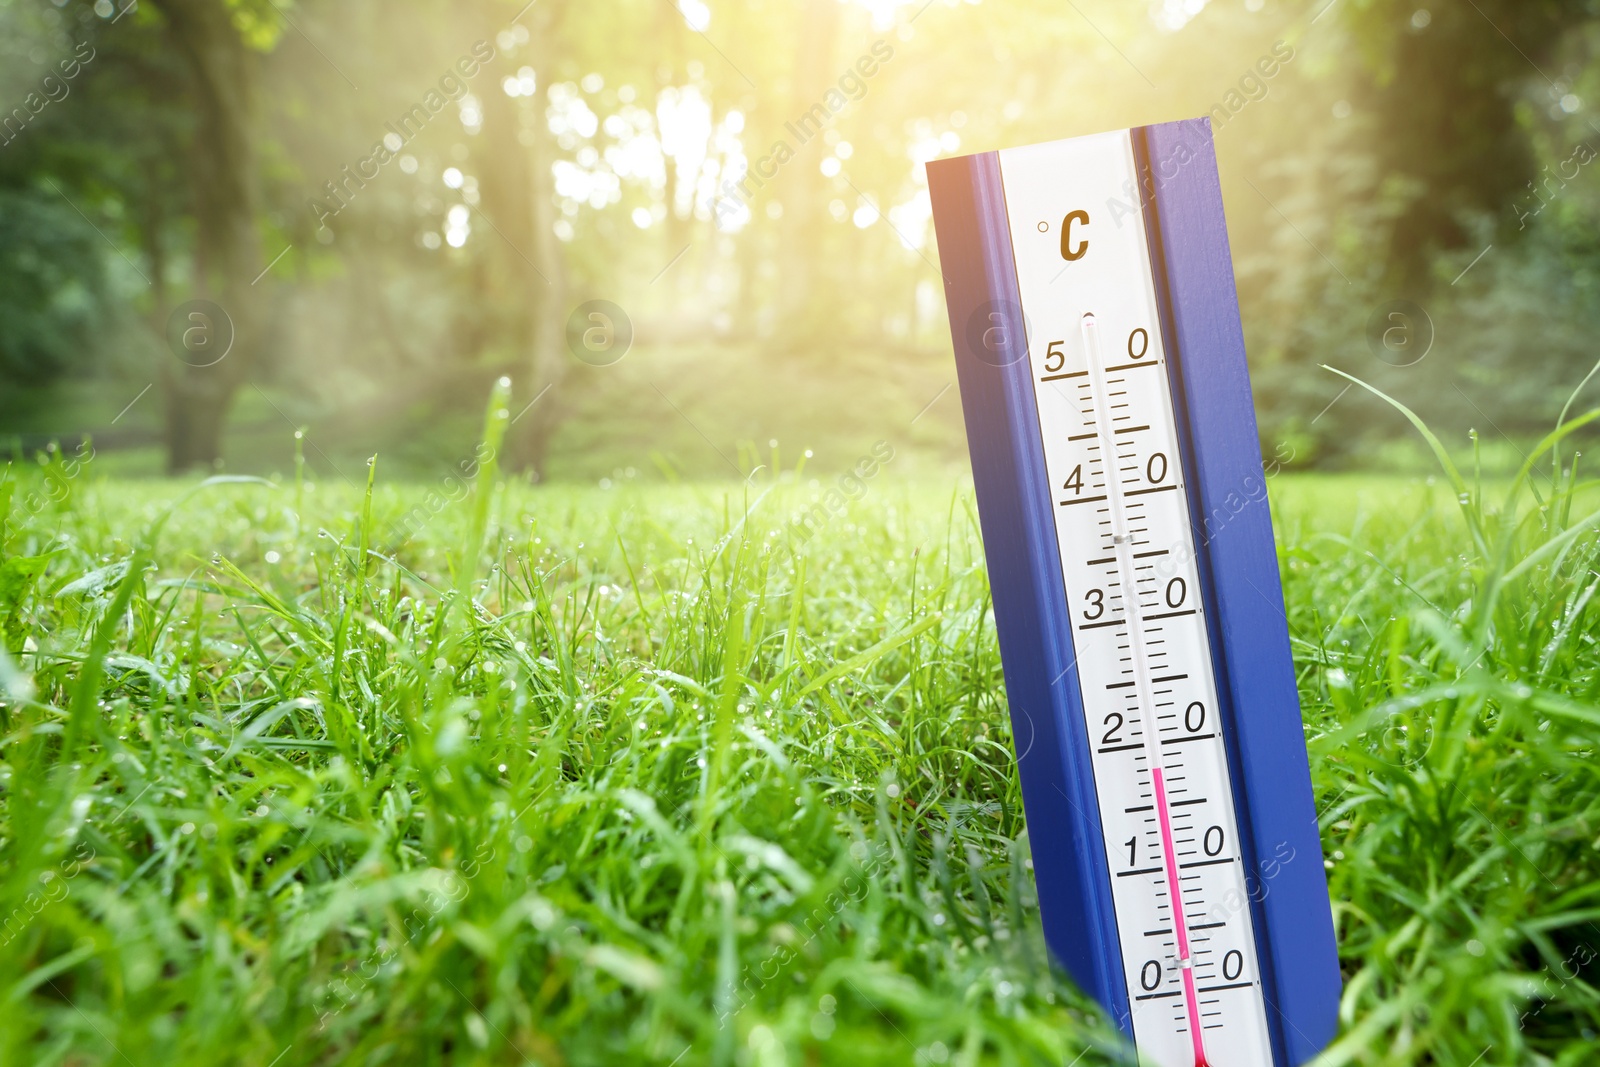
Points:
(1453, 701)
(661, 774)
(17, 576)
(260, 23)
(1353, 174)
(1440, 100)
(654, 787)
(51, 287)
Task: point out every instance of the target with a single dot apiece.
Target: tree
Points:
(217, 40)
(545, 279)
(1444, 86)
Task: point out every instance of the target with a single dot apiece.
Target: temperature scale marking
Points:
(1102, 400)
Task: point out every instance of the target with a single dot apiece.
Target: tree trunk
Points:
(756, 241)
(528, 443)
(225, 201)
(153, 239)
(804, 190)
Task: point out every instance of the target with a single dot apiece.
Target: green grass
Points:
(575, 776)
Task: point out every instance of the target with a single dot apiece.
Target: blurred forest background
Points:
(395, 204)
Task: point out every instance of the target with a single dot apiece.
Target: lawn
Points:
(478, 772)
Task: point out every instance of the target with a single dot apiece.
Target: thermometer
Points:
(1136, 591)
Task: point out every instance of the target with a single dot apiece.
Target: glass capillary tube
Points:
(1122, 546)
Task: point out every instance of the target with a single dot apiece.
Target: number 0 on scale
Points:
(1136, 591)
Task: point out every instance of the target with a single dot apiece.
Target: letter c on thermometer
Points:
(1068, 252)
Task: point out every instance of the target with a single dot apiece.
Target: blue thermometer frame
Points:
(1181, 199)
